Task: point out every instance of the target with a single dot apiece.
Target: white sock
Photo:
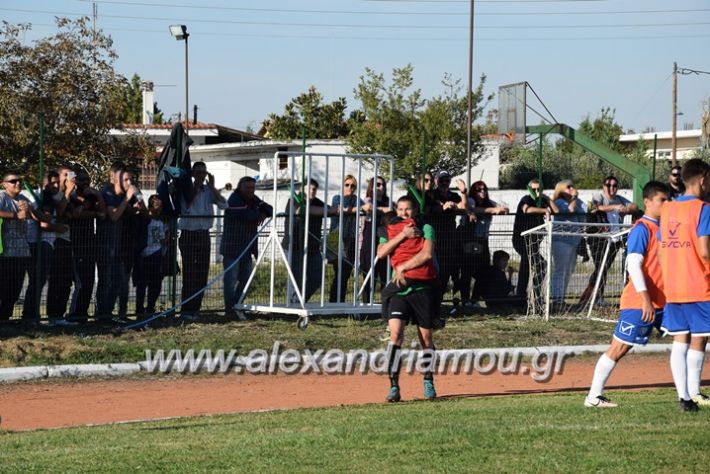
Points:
(601, 373)
(679, 369)
(695, 361)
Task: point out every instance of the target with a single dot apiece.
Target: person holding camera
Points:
(87, 206)
(60, 275)
(242, 217)
(195, 224)
(122, 198)
(51, 203)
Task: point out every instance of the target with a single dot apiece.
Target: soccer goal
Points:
(576, 269)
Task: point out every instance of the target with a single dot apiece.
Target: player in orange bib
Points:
(642, 300)
(684, 253)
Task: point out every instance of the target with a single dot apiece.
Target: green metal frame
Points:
(640, 175)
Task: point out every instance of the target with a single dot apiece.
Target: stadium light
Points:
(180, 33)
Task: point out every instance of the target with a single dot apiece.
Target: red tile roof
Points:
(168, 126)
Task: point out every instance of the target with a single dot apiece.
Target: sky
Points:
(249, 58)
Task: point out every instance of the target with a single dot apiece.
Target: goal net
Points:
(576, 269)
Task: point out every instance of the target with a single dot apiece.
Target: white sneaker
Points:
(701, 399)
(599, 402)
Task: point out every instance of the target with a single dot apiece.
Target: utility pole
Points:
(469, 118)
(675, 113)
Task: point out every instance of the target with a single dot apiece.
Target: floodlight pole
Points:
(469, 118)
(187, 88)
(180, 33)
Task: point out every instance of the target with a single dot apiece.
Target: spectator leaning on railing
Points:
(350, 203)
(375, 197)
(242, 217)
(531, 212)
(473, 232)
(564, 247)
(314, 260)
(613, 208)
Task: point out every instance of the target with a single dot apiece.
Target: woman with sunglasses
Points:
(613, 208)
(564, 247)
(474, 231)
(375, 197)
(422, 192)
(349, 203)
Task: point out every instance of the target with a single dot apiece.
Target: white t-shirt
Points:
(156, 233)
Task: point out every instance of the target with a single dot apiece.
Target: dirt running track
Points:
(52, 404)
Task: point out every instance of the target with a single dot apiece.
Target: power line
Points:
(334, 25)
(653, 96)
(686, 71)
(397, 38)
(486, 1)
(372, 12)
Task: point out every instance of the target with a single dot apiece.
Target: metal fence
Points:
(103, 273)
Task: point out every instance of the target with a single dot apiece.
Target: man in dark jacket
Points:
(242, 217)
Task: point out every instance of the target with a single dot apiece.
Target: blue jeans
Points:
(108, 267)
(235, 279)
(564, 259)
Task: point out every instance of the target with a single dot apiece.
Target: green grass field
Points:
(533, 433)
(92, 344)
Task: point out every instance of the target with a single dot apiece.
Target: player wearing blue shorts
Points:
(684, 253)
(643, 298)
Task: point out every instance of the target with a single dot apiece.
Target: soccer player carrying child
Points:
(413, 295)
(642, 300)
(685, 260)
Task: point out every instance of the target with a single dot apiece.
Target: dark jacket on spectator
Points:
(241, 221)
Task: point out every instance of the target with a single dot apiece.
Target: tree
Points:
(422, 135)
(520, 165)
(590, 170)
(308, 111)
(158, 115)
(133, 101)
(564, 159)
(69, 79)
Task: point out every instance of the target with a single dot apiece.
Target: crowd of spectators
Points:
(70, 236)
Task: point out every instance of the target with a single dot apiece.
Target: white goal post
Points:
(562, 287)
